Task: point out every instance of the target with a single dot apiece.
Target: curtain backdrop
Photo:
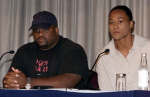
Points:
(83, 21)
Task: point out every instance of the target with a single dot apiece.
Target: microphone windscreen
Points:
(11, 52)
(106, 51)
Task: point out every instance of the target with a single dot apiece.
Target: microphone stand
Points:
(3, 71)
(99, 55)
(5, 53)
(92, 81)
(8, 52)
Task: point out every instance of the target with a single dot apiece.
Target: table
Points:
(57, 93)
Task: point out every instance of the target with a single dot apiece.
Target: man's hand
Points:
(14, 79)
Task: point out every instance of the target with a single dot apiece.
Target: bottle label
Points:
(143, 78)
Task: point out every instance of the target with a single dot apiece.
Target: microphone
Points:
(8, 52)
(106, 52)
(91, 82)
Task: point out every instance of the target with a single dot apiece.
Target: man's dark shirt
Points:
(65, 57)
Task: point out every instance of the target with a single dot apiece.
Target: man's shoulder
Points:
(28, 46)
(25, 51)
(70, 45)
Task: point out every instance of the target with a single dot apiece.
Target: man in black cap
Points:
(50, 60)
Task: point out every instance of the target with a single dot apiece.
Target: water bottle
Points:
(143, 73)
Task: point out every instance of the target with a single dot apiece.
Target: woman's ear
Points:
(132, 25)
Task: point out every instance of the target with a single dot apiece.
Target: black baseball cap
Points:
(43, 19)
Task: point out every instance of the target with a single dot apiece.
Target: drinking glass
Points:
(120, 82)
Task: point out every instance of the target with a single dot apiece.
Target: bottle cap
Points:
(120, 74)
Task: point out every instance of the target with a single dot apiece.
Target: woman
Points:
(125, 50)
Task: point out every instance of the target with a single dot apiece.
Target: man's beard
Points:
(43, 46)
(46, 46)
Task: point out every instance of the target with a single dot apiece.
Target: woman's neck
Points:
(125, 44)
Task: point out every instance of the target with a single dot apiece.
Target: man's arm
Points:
(16, 79)
(67, 80)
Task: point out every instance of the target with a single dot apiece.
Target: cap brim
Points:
(44, 26)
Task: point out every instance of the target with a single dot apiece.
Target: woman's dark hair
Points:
(125, 9)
